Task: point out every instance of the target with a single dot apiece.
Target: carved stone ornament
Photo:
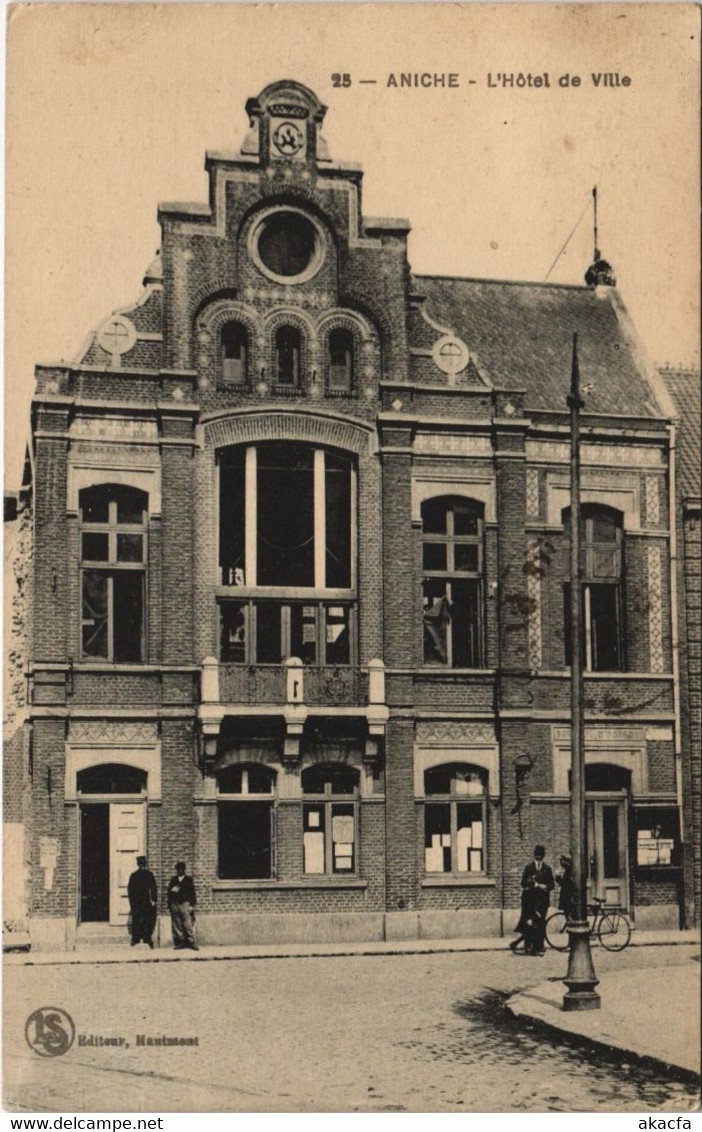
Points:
(454, 732)
(114, 733)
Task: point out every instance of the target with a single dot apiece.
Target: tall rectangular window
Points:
(232, 547)
(113, 572)
(452, 589)
(245, 822)
(602, 591)
(337, 497)
(330, 819)
(454, 819)
(285, 535)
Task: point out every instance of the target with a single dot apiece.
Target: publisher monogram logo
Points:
(49, 1031)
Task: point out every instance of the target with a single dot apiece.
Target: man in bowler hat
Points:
(537, 886)
(141, 890)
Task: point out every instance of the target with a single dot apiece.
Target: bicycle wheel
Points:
(556, 935)
(614, 931)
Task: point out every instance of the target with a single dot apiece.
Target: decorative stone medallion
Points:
(450, 354)
(116, 335)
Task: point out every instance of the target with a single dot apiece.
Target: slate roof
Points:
(683, 386)
(522, 334)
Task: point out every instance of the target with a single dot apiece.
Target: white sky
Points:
(111, 108)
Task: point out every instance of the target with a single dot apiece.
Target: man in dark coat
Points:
(142, 892)
(537, 886)
(181, 904)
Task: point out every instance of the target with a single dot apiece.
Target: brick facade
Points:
(393, 781)
(693, 707)
(683, 386)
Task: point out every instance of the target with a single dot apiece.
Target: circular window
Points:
(287, 246)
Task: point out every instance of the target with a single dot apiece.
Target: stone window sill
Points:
(450, 881)
(659, 870)
(441, 672)
(612, 674)
(308, 882)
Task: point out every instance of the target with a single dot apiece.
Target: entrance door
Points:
(607, 850)
(95, 863)
(127, 842)
(112, 836)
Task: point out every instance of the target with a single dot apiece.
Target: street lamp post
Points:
(580, 979)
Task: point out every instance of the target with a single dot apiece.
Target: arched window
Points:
(601, 556)
(245, 815)
(330, 819)
(604, 777)
(113, 572)
(340, 360)
(455, 816)
(452, 587)
(234, 346)
(111, 778)
(288, 348)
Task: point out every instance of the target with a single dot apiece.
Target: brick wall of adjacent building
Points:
(51, 894)
(683, 386)
(692, 703)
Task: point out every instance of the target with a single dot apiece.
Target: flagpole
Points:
(580, 978)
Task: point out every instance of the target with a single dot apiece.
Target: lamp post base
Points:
(580, 979)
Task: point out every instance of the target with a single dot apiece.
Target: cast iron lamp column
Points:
(580, 979)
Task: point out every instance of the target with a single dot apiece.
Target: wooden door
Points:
(607, 851)
(127, 842)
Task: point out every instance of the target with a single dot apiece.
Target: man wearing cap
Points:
(142, 892)
(537, 884)
(181, 904)
(566, 897)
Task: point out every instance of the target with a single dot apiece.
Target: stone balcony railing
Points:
(293, 690)
(315, 686)
(291, 683)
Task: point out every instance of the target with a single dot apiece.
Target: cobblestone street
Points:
(372, 1033)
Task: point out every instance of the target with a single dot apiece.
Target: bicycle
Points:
(611, 928)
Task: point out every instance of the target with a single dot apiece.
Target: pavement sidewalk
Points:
(122, 953)
(653, 1014)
